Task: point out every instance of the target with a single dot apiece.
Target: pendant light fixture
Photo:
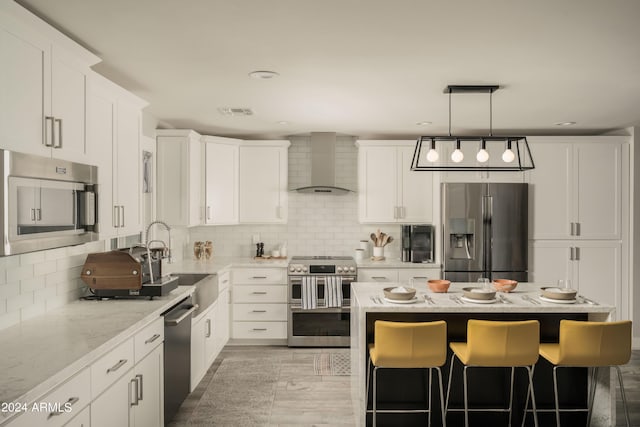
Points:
(515, 147)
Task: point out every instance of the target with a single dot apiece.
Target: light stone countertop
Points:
(361, 299)
(394, 263)
(41, 353)
(217, 264)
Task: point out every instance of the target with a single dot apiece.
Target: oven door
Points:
(320, 327)
(295, 290)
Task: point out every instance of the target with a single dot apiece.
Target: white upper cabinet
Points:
(263, 182)
(180, 179)
(44, 90)
(576, 190)
(222, 164)
(388, 191)
(114, 127)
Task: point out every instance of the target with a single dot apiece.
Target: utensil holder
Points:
(378, 251)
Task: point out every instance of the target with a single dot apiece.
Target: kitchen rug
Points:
(332, 364)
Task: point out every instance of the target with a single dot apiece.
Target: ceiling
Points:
(368, 68)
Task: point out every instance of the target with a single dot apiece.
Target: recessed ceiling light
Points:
(423, 123)
(565, 123)
(283, 122)
(263, 74)
(235, 111)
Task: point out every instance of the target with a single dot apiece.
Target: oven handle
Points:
(299, 309)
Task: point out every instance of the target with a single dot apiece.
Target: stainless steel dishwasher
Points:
(177, 356)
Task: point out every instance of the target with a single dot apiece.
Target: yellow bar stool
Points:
(590, 345)
(508, 344)
(408, 345)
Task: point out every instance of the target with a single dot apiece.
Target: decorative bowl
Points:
(439, 286)
(558, 293)
(479, 293)
(504, 285)
(399, 293)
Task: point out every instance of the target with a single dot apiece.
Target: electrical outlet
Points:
(255, 238)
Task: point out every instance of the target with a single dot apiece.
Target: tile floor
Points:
(278, 386)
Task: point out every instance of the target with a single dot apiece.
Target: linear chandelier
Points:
(472, 153)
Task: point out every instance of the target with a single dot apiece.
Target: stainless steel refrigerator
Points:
(485, 231)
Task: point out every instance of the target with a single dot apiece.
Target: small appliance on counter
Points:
(418, 243)
(129, 272)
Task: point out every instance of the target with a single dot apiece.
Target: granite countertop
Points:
(363, 292)
(41, 353)
(394, 263)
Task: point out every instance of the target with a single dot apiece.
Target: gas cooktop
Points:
(321, 257)
(322, 265)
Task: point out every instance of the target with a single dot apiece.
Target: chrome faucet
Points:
(167, 247)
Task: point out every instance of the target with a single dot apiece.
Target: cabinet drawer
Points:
(148, 338)
(260, 294)
(63, 403)
(224, 280)
(420, 275)
(260, 312)
(251, 276)
(107, 370)
(83, 419)
(377, 275)
(260, 330)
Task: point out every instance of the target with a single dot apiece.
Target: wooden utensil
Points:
(389, 240)
(373, 238)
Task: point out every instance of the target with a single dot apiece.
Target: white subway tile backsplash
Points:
(19, 273)
(45, 294)
(9, 290)
(30, 285)
(55, 254)
(9, 319)
(31, 258)
(43, 268)
(17, 302)
(36, 309)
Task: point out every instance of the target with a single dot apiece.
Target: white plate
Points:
(401, 301)
(478, 301)
(558, 301)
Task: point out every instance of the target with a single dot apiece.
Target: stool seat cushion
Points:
(409, 344)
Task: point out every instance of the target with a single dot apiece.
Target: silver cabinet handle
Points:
(71, 401)
(571, 256)
(33, 215)
(59, 144)
(174, 322)
(378, 277)
(258, 311)
(259, 329)
(577, 228)
(225, 281)
(117, 366)
(122, 207)
(577, 254)
(419, 277)
(38, 214)
(403, 213)
(140, 382)
(152, 339)
(115, 216)
(136, 393)
(258, 293)
(48, 131)
(259, 277)
(208, 323)
(208, 212)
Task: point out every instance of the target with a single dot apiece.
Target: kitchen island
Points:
(487, 386)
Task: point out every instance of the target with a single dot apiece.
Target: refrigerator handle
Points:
(487, 214)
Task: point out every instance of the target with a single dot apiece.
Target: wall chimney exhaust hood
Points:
(323, 166)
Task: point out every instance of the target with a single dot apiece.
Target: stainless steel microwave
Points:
(46, 203)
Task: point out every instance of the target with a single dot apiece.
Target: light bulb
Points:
(457, 156)
(482, 156)
(508, 156)
(432, 155)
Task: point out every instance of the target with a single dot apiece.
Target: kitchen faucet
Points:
(166, 247)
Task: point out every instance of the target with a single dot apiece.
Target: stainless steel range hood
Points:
(323, 166)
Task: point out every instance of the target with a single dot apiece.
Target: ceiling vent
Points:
(227, 111)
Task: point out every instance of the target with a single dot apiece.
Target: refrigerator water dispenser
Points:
(461, 238)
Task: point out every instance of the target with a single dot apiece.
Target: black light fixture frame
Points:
(519, 144)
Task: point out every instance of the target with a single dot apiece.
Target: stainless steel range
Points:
(319, 300)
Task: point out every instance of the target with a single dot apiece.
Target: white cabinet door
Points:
(210, 342)
(24, 96)
(221, 180)
(263, 183)
(222, 319)
(416, 196)
(598, 271)
(198, 369)
(127, 172)
(550, 261)
(111, 408)
(598, 191)
(550, 191)
(377, 184)
(179, 154)
(68, 83)
(148, 412)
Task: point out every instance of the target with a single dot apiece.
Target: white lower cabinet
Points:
(83, 419)
(260, 306)
(111, 408)
(149, 408)
(398, 274)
